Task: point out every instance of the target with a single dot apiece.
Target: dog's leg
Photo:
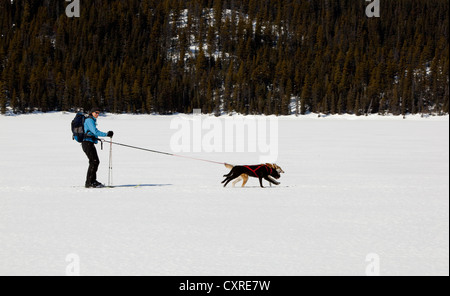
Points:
(227, 181)
(229, 175)
(245, 180)
(260, 182)
(272, 181)
(236, 181)
(230, 178)
(226, 178)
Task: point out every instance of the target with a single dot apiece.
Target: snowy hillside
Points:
(352, 187)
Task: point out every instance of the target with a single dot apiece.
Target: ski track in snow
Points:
(352, 187)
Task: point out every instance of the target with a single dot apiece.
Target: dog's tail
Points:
(229, 166)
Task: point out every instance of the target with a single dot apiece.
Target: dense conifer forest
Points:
(249, 56)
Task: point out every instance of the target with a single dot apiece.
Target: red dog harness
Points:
(254, 171)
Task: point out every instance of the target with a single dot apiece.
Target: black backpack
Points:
(78, 127)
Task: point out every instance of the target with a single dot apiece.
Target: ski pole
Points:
(110, 180)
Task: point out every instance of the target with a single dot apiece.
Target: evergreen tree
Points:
(252, 57)
(3, 98)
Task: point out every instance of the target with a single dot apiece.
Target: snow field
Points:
(353, 186)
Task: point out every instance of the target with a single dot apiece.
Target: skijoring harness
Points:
(260, 166)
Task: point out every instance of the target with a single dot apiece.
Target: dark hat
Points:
(93, 109)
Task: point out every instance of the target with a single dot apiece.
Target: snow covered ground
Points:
(353, 187)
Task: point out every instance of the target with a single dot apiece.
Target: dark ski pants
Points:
(94, 161)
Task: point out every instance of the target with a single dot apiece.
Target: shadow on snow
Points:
(141, 185)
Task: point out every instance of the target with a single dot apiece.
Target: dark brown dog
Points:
(263, 171)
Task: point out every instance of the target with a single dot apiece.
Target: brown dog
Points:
(244, 177)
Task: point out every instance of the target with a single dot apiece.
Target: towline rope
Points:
(160, 152)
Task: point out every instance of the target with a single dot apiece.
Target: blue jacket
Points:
(90, 129)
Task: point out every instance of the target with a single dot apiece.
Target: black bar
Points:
(223, 285)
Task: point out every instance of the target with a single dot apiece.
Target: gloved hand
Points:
(110, 134)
